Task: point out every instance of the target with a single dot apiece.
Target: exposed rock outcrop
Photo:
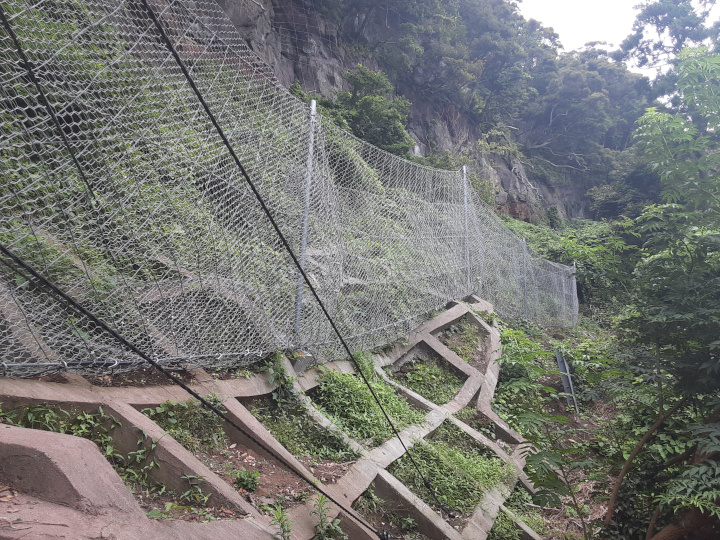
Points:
(301, 45)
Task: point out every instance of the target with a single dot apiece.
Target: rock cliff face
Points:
(301, 45)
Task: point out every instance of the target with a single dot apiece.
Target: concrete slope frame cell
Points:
(86, 494)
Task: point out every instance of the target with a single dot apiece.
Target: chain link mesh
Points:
(116, 187)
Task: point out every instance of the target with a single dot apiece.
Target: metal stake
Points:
(467, 234)
(306, 212)
(525, 278)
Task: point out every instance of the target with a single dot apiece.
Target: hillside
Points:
(224, 312)
(485, 88)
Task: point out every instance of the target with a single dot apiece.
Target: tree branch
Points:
(653, 522)
(633, 455)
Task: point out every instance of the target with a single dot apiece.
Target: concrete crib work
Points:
(66, 489)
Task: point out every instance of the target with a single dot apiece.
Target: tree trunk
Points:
(693, 524)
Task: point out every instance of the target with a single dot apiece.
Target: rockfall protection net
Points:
(115, 185)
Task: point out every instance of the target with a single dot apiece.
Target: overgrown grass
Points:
(346, 399)
(297, 432)
(520, 395)
(458, 470)
(505, 529)
(432, 379)
(190, 423)
(469, 338)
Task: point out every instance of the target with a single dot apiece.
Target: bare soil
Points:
(277, 484)
(328, 472)
(141, 377)
(381, 522)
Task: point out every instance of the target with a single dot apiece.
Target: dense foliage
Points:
(567, 116)
(653, 281)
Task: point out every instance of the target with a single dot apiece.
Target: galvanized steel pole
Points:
(525, 278)
(306, 212)
(467, 233)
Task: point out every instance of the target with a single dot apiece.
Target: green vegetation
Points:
(297, 432)
(505, 529)
(463, 338)
(134, 467)
(190, 423)
(281, 520)
(520, 395)
(646, 356)
(433, 379)
(367, 111)
(346, 400)
(98, 427)
(247, 480)
(369, 504)
(458, 470)
(284, 415)
(326, 528)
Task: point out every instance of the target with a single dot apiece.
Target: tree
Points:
(676, 306)
(664, 27)
(367, 110)
(371, 115)
(583, 117)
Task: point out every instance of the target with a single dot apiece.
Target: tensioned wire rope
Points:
(27, 272)
(56, 291)
(281, 236)
(23, 269)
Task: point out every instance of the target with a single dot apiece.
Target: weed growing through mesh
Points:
(346, 399)
(432, 379)
(458, 470)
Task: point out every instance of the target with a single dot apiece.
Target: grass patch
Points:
(504, 528)
(457, 468)
(386, 516)
(190, 423)
(463, 338)
(433, 379)
(297, 432)
(469, 416)
(346, 399)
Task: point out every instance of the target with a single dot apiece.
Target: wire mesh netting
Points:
(117, 187)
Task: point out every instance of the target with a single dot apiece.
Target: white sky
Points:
(580, 21)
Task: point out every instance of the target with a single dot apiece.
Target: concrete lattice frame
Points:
(66, 485)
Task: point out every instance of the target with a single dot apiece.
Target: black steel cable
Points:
(257, 195)
(280, 235)
(33, 275)
(66, 142)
